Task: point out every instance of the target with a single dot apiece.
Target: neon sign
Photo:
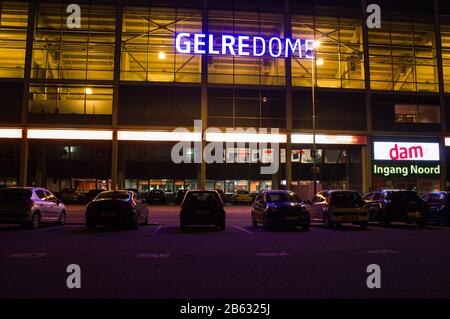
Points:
(242, 45)
(405, 151)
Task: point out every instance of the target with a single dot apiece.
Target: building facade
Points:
(96, 106)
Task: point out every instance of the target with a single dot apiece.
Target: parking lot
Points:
(159, 261)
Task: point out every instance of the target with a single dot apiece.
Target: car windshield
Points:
(346, 199)
(283, 197)
(404, 196)
(14, 194)
(114, 195)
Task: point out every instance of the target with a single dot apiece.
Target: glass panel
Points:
(13, 35)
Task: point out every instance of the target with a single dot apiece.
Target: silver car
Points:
(30, 206)
(335, 207)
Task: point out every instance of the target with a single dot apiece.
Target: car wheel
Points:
(134, 224)
(384, 219)
(35, 220)
(145, 222)
(91, 225)
(305, 227)
(254, 221)
(62, 218)
(327, 221)
(266, 223)
(421, 223)
(364, 225)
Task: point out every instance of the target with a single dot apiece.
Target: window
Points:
(148, 45)
(376, 196)
(445, 40)
(40, 194)
(70, 99)
(13, 35)
(411, 113)
(81, 54)
(229, 69)
(341, 50)
(403, 57)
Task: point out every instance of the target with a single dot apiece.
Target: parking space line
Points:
(28, 255)
(153, 255)
(154, 232)
(243, 229)
(272, 254)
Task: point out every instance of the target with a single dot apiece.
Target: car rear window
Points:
(15, 194)
(202, 197)
(113, 195)
(283, 197)
(404, 196)
(346, 199)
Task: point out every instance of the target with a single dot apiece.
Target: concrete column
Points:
(115, 104)
(367, 151)
(201, 170)
(440, 73)
(23, 178)
(289, 103)
(23, 175)
(114, 161)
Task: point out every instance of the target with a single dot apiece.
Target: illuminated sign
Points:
(242, 45)
(405, 151)
(300, 138)
(406, 170)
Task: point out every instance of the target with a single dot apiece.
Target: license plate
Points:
(202, 212)
(292, 218)
(414, 214)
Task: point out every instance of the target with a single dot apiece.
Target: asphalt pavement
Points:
(158, 261)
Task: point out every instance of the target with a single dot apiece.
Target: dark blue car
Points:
(279, 208)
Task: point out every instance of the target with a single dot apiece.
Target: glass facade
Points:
(228, 69)
(60, 52)
(70, 99)
(13, 36)
(445, 41)
(403, 57)
(341, 51)
(148, 45)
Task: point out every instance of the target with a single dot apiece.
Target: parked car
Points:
(118, 208)
(156, 196)
(335, 207)
(279, 207)
(202, 207)
(180, 195)
(70, 195)
(438, 207)
(221, 194)
(91, 194)
(30, 206)
(241, 196)
(396, 205)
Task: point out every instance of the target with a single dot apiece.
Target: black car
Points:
(280, 207)
(202, 207)
(396, 205)
(438, 207)
(118, 208)
(91, 194)
(156, 196)
(180, 195)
